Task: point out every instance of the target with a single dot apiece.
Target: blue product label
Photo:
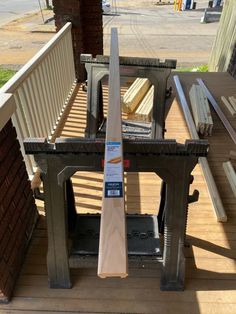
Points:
(113, 189)
(113, 172)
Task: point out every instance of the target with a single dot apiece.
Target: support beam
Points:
(112, 259)
(215, 197)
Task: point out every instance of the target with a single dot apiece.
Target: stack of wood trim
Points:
(230, 104)
(135, 94)
(219, 112)
(231, 175)
(201, 110)
(212, 188)
(144, 110)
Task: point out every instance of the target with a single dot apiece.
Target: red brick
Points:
(4, 241)
(9, 160)
(5, 221)
(86, 18)
(9, 174)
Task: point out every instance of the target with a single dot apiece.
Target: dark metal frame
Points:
(173, 162)
(153, 69)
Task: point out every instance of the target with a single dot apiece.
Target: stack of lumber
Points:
(135, 94)
(230, 104)
(144, 110)
(231, 175)
(212, 188)
(201, 111)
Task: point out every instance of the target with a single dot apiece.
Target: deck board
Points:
(210, 259)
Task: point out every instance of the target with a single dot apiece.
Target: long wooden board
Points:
(215, 197)
(230, 174)
(112, 259)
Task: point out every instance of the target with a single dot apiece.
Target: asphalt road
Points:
(13, 9)
(149, 30)
(145, 30)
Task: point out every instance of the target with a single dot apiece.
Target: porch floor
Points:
(210, 258)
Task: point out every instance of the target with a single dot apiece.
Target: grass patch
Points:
(200, 68)
(5, 75)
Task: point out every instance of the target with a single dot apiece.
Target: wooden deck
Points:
(210, 264)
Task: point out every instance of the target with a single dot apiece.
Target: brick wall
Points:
(18, 212)
(87, 29)
(232, 63)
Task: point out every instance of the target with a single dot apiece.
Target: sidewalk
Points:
(21, 39)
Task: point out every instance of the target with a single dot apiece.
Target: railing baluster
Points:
(57, 84)
(48, 94)
(42, 101)
(67, 60)
(59, 79)
(41, 89)
(36, 107)
(39, 105)
(60, 56)
(30, 106)
(52, 89)
(71, 59)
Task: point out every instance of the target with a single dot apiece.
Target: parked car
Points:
(106, 7)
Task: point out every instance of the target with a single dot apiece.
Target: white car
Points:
(106, 7)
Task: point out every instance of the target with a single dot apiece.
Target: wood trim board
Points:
(213, 191)
(113, 256)
(219, 112)
(228, 105)
(231, 175)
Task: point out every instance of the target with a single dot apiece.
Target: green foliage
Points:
(200, 68)
(5, 75)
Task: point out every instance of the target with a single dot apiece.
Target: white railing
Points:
(41, 90)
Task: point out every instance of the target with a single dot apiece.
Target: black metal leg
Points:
(161, 212)
(57, 257)
(70, 204)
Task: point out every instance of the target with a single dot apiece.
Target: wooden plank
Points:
(215, 197)
(201, 110)
(228, 106)
(135, 94)
(232, 101)
(219, 112)
(144, 110)
(230, 174)
(107, 305)
(112, 261)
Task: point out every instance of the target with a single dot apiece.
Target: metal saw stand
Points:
(171, 161)
(153, 69)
